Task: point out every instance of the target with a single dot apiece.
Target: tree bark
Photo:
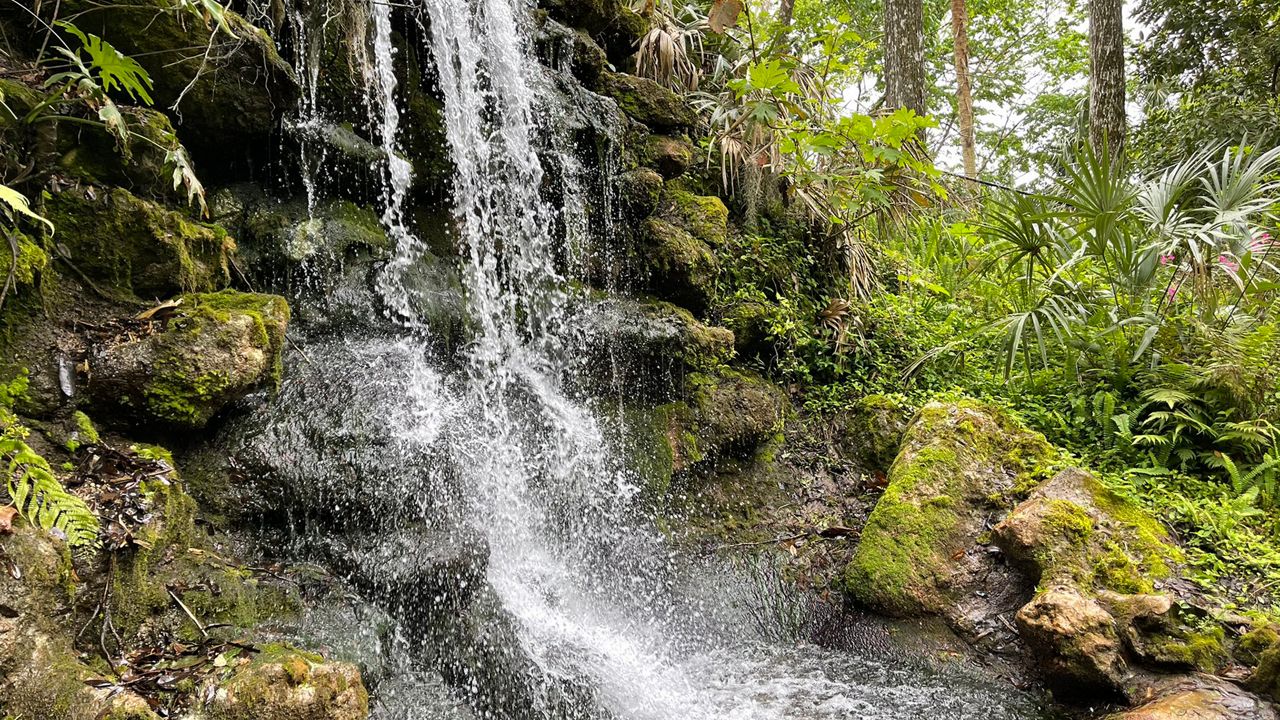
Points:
(964, 92)
(1106, 75)
(904, 54)
(786, 11)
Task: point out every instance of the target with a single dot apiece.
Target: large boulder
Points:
(218, 347)
(677, 265)
(119, 239)
(670, 156)
(612, 23)
(959, 463)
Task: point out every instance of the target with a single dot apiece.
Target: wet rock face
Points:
(230, 99)
(648, 102)
(217, 349)
(1076, 641)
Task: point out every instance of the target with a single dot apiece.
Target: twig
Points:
(187, 611)
(300, 350)
(987, 183)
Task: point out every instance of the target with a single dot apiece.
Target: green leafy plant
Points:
(41, 499)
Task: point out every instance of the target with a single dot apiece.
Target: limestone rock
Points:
(670, 156)
(918, 552)
(679, 266)
(638, 192)
(220, 347)
(1199, 697)
(705, 217)
(1076, 641)
(121, 240)
(612, 22)
(648, 102)
(650, 345)
(285, 684)
(872, 430)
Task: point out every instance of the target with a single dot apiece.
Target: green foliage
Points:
(38, 495)
(15, 203)
(110, 68)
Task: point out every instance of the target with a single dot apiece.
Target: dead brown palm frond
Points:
(666, 54)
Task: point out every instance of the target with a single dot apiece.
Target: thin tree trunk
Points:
(786, 11)
(964, 93)
(904, 54)
(1106, 75)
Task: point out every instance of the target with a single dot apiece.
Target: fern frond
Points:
(42, 500)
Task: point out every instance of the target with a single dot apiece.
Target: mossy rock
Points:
(734, 413)
(1076, 643)
(705, 217)
(282, 683)
(228, 100)
(871, 430)
(1074, 529)
(32, 260)
(679, 267)
(93, 155)
(134, 245)
(670, 156)
(610, 22)
(648, 102)
(278, 236)
(639, 191)
(220, 347)
(958, 462)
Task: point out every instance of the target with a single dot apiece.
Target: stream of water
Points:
(608, 621)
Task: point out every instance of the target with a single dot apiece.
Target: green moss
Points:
(648, 102)
(32, 260)
(680, 266)
(138, 246)
(83, 432)
(1249, 648)
(704, 217)
(1115, 570)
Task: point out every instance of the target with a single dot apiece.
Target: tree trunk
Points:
(785, 12)
(964, 93)
(1106, 75)
(904, 54)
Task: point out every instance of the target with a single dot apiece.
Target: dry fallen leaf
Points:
(724, 15)
(7, 514)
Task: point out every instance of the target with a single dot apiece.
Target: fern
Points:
(41, 498)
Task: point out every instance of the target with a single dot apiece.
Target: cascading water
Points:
(500, 457)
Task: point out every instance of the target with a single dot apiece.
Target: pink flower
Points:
(1262, 242)
(1228, 263)
(1173, 290)
(1166, 259)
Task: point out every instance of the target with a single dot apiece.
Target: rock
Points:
(1074, 529)
(220, 347)
(129, 243)
(678, 266)
(1266, 676)
(1199, 697)
(613, 22)
(648, 102)
(228, 101)
(93, 155)
(749, 321)
(279, 236)
(286, 684)
(918, 552)
(1075, 640)
(871, 431)
(638, 193)
(560, 46)
(704, 217)
(670, 156)
(734, 413)
(649, 345)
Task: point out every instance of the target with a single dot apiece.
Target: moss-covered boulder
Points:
(612, 23)
(678, 266)
(278, 236)
(871, 430)
(229, 99)
(219, 347)
(670, 156)
(1073, 529)
(958, 464)
(705, 217)
(648, 102)
(127, 243)
(93, 155)
(281, 683)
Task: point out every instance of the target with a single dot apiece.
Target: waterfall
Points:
(396, 442)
